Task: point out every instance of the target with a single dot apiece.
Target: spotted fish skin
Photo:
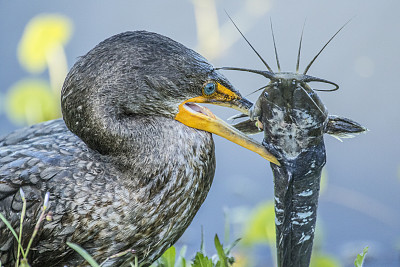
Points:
(293, 119)
(296, 201)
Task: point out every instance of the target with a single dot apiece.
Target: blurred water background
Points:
(360, 205)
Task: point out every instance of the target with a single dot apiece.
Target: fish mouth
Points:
(199, 117)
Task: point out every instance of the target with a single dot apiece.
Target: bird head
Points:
(146, 74)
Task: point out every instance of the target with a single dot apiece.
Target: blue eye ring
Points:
(209, 88)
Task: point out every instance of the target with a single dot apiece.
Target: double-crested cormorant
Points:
(132, 161)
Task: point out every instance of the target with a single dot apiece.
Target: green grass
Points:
(360, 258)
(21, 252)
(171, 259)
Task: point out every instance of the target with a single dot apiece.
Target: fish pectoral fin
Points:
(341, 127)
(249, 127)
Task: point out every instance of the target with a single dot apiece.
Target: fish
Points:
(294, 121)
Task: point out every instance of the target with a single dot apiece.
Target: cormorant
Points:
(130, 163)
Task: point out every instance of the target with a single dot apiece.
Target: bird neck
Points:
(155, 149)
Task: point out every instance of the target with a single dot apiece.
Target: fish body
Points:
(294, 118)
(294, 121)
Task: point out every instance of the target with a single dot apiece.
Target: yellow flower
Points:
(42, 37)
(323, 260)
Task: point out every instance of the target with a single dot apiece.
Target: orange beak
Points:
(201, 118)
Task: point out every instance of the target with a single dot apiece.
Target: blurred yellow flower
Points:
(323, 260)
(43, 36)
(241, 260)
(31, 101)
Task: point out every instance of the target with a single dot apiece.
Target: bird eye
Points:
(209, 88)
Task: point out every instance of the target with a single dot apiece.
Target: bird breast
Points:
(141, 199)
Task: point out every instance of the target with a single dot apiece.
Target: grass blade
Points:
(7, 223)
(360, 258)
(21, 224)
(84, 254)
(221, 253)
(231, 246)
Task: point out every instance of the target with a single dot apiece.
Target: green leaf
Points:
(84, 254)
(221, 253)
(360, 258)
(202, 261)
(168, 258)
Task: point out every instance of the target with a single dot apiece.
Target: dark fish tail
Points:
(296, 201)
